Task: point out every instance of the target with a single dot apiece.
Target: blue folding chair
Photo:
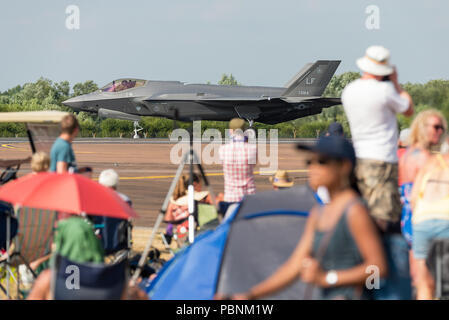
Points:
(88, 281)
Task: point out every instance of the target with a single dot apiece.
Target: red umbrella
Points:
(66, 192)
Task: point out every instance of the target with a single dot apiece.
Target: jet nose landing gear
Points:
(137, 128)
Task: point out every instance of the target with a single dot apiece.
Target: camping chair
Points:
(36, 231)
(88, 281)
(115, 235)
(438, 263)
(207, 217)
(8, 230)
(9, 174)
(6, 210)
(33, 240)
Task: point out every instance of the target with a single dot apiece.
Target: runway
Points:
(141, 141)
(145, 169)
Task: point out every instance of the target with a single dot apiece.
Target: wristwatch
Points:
(332, 278)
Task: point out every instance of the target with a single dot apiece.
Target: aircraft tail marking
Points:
(312, 80)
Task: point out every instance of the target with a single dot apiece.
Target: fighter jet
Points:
(132, 98)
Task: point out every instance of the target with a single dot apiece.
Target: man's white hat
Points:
(108, 178)
(375, 61)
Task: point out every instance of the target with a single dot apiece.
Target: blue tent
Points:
(258, 237)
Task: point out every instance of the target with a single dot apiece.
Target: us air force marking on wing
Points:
(226, 309)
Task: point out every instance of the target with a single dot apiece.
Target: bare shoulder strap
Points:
(326, 240)
(327, 237)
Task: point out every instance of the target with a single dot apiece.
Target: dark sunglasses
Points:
(438, 127)
(320, 161)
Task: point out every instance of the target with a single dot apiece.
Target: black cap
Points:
(336, 147)
(335, 129)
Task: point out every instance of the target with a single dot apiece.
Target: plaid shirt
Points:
(239, 159)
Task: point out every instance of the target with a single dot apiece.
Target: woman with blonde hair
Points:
(423, 130)
(430, 204)
(426, 132)
(40, 162)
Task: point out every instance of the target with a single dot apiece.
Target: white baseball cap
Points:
(108, 178)
(376, 61)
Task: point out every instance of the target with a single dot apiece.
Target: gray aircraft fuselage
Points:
(132, 98)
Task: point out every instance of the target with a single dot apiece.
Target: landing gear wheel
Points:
(137, 128)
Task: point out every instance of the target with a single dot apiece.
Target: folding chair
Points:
(9, 174)
(207, 217)
(6, 211)
(36, 231)
(88, 281)
(115, 235)
(8, 230)
(33, 240)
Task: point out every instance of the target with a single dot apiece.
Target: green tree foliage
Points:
(62, 91)
(84, 88)
(433, 94)
(12, 129)
(339, 82)
(228, 80)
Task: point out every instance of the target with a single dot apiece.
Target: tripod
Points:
(187, 158)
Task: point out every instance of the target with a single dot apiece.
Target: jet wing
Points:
(199, 97)
(333, 101)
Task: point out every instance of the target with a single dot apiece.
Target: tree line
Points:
(45, 94)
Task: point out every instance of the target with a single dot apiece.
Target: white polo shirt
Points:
(371, 107)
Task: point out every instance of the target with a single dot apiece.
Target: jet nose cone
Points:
(74, 103)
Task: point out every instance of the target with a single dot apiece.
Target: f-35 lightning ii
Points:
(131, 98)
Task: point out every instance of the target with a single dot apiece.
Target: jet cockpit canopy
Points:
(123, 84)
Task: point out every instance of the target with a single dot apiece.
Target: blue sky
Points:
(260, 42)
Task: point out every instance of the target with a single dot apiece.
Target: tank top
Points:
(433, 196)
(341, 253)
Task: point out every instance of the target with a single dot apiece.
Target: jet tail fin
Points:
(312, 80)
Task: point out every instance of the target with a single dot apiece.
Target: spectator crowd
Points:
(383, 195)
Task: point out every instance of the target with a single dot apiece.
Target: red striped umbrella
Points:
(66, 192)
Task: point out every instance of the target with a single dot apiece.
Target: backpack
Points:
(75, 240)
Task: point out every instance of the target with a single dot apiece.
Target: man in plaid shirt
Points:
(239, 158)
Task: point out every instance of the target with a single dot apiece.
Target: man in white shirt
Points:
(371, 104)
